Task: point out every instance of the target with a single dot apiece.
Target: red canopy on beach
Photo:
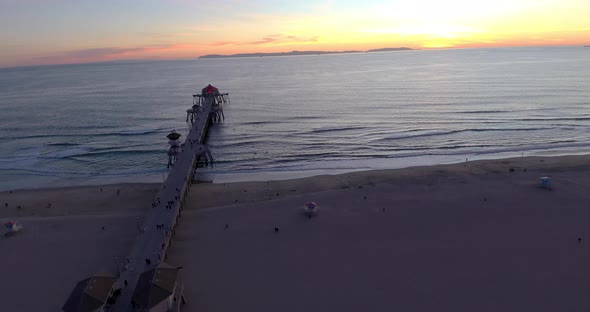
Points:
(11, 225)
(210, 90)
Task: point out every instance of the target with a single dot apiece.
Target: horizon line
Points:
(328, 52)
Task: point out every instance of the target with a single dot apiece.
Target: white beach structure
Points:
(91, 294)
(159, 290)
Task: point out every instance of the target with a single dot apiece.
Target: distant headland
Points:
(390, 49)
(301, 53)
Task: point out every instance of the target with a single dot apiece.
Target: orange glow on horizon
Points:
(418, 24)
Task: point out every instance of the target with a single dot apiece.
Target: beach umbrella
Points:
(310, 205)
(173, 136)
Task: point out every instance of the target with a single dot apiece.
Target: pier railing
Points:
(158, 228)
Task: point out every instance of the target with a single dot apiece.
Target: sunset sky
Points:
(36, 32)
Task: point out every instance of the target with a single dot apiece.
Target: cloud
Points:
(299, 39)
(101, 52)
(97, 54)
(264, 41)
(269, 39)
(222, 43)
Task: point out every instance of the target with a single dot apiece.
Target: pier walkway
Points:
(158, 227)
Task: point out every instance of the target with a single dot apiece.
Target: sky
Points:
(41, 32)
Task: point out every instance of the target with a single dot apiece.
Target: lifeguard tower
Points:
(310, 209)
(545, 182)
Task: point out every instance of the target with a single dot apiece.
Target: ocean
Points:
(293, 116)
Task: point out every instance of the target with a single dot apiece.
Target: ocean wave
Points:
(336, 129)
(534, 147)
(306, 117)
(61, 144)
(65, 153)
(554, 119)
(450, 132)
(135, 132)
(130, 132)
(484, 111)
(72, 173)
(240, 143)
(256, 123)
(76, 153)
(119, 153)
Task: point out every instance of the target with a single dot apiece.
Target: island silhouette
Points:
(301, 53)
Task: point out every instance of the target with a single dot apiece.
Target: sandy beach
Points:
(63, 244)
(475, 236)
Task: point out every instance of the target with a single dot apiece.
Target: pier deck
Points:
(153, 240)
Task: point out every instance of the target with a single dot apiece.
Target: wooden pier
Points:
(155, 235)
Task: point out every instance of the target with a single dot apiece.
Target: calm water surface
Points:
(293, 116)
